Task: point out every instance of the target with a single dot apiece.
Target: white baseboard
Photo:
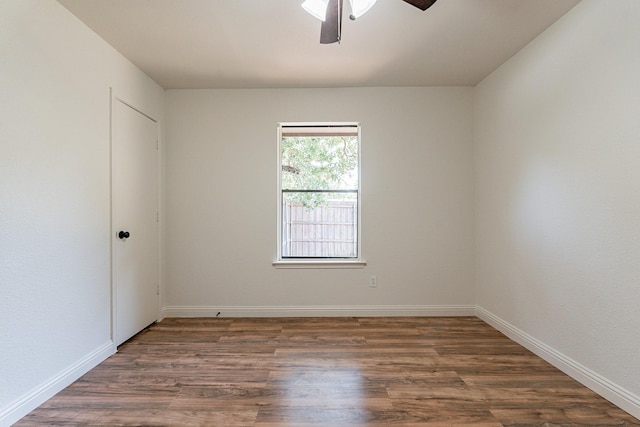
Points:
(36, 397)
(617, 395)
(319, 311)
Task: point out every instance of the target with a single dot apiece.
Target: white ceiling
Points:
(275, 43)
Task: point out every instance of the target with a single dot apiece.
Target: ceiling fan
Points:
(330, 13)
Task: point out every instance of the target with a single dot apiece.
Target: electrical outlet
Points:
(373, 281)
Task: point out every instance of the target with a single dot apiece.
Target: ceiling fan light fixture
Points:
(317, 8)
(360, 7)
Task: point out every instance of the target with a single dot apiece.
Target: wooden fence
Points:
(330, 230)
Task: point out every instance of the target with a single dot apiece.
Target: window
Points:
(319, 192)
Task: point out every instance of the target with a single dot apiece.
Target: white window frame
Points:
(280, 262)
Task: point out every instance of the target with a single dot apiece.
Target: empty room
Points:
(265, 213)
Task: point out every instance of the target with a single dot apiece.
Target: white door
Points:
(135, 201)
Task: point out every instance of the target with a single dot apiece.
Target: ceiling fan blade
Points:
(332, 26)
(421, 4)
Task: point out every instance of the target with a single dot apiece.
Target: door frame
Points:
(115, 97)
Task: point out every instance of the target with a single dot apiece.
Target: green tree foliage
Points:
(319, 163)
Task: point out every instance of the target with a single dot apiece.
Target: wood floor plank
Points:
(401, 371)
(580, 415)
(136, 417)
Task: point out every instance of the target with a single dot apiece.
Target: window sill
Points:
(320, 263)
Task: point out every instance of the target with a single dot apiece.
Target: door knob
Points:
(124, 234)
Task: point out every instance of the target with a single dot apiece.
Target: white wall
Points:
(55, 76)
(417, 201)
(558, 196)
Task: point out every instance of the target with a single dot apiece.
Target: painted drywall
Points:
(417, 199)
(55, 76)
(558, 203)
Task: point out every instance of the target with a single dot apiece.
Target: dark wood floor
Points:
(325, 372)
